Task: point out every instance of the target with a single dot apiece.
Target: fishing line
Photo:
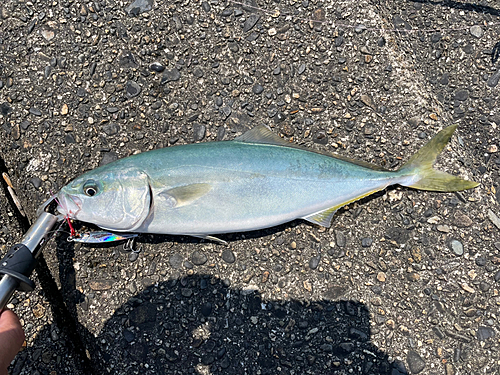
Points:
(73, 232)
(278, 13)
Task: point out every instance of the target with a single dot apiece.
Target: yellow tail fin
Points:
(428, 178)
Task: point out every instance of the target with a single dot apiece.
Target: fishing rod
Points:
(19, 262)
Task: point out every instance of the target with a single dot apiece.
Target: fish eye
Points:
(90, 188)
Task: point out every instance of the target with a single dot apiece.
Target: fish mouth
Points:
(68, 205)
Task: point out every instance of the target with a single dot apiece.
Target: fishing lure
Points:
(100, 237)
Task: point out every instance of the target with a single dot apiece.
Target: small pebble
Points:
(340, 239)
(494, 218)
(48, 34)
(461, 220)
(359, 28)
(443, 228)
(171, 75)
(101, 284)
(36, 182)
(206, 6)
(47, 71)
(484, 286)
(358, 335)
(139, 6)
(132, 89)
(176, 260)
(497, 276)
(35, 111)
(257, 89)
(64, 109)
(461, 95)
(448, 369)
(457, 247)
(436, 37)
(481, 262)
(493, 80)
(484, 333)
(198, 258)
(228, 256)
(415, 362)
(198, 72)
(366, 242)
(157, 67)
(133, 257)
(199, 132)
(108, 157)
(206, 309)
(250, 22)
(128, 336)
(156, 105)
(314, 262)
(226, 111)
(476, 31)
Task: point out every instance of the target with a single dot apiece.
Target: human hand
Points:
(11, 338)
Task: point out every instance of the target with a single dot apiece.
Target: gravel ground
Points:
(404, 282)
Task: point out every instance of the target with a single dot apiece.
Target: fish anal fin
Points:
(184, 195)
(325, 217)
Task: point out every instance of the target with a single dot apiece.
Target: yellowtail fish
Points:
(256, 181)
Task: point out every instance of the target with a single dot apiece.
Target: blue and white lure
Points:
(100, 237)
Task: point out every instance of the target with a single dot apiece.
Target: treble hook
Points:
(129, 246)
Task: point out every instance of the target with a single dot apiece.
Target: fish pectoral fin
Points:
(323, 218)
(209, 238)
(184, 195)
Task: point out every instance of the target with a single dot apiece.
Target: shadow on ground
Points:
(200, 325)
(470, 7)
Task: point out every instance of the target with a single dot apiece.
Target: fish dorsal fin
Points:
(184, 195)
(323, 218)
(263, 135)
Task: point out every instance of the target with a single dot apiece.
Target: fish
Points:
(258, 180)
